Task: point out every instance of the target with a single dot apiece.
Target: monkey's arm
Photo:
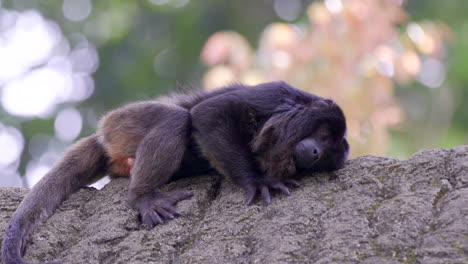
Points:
(223, 128)
(157, 157)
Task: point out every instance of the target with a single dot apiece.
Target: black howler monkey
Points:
(259, 136)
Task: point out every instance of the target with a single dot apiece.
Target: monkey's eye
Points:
(324, 137)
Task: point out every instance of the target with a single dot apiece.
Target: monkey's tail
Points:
(85, 162)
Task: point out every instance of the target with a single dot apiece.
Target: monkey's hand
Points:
(157, 207)
(265, 186)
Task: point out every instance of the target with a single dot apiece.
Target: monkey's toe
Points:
(293, 183)
(154, 216)
(251, 193)
(159, 207)
(265, 188)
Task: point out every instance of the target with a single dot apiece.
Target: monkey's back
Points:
(122, 130)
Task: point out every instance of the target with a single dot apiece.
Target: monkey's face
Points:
(323, 150)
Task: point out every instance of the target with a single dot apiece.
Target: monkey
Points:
(259, 136)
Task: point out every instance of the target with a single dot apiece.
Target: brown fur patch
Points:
(121, 166)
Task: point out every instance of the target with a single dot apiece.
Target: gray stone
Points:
(375, 210)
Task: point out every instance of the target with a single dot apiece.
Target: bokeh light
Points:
(288, 10)
(27, 41)
(39, 71)
(11, 145)
(68, 124)
(334, 6)
(36, 93)
(432, 73)
(77, 10)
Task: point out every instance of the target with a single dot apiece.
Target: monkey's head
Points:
(304, 136)
(323, 150)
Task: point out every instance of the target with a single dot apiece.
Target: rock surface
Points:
(375, 210)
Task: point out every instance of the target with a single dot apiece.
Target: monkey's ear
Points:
(273, 147)
(274, 131)
(264, 138)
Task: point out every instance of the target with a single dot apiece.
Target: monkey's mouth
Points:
(313, 163)
(307, 162)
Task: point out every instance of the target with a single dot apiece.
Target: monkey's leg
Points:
(157, 157)
(220, 130)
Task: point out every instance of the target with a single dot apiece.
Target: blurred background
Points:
(398, 68)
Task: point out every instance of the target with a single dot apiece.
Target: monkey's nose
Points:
(315, 154)
(307, 155)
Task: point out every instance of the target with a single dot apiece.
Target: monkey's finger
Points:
(172, 209)
(156, 218)
(177, 196)
(147, 221)
(250, 192)
(166, 214)
(293, 183)
(265, 194)
(250, 198)
(280, 186)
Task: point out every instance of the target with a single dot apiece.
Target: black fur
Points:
(251, 135)
(259, 136)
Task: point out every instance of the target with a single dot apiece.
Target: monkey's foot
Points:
(265, 187)
(158, 207)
